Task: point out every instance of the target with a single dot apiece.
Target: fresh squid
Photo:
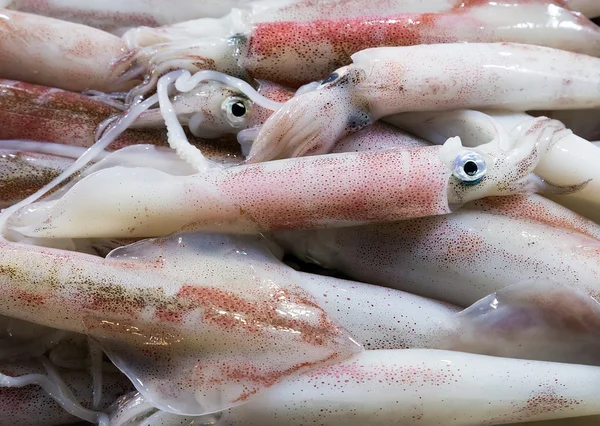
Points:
(462, 257)
(25, 403)
(571, 160)
(116, 16)
(214, 109)
(386, 81)
(424, 387)
(336, 190)
(146, 305)
(34, 49)
(291, 45)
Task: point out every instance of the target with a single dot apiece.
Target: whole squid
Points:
(336, 190)
(389, 80)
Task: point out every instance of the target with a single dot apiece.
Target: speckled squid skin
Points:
(425, 387)
(390, 80)
(311, 10)
(207, 100)
(382, 318)
(279, 51)
(115, 16)
(34, 49)
(298, 42)
(32, 406)
(234, 303)
(47, 114)
(309, 192)
(463, 257)
(571, 164)
(21, 174)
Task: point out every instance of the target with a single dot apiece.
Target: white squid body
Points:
(389, 80)
(425, 387)
(116, 16)
(251, 198)
(464, 256)
(571, 163)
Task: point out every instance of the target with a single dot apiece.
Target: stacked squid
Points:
(334, 212)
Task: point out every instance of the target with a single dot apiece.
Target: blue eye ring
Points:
(469, 167)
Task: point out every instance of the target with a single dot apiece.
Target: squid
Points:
(189, 340)
(304, 41)
(116, 17)
(572, 159)
(413, 386)
(462, 257)
(37, 283)
(37, 113)
(389, 80)
(356, 189)
(214, 109)
(27, 402)
(267, 40)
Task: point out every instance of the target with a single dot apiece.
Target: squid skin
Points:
(383, 318)
(460, 258)
(376, 186)
(413, 386)
(297, 43)
(584, 123)
(134, 406)
(146, 286)
(389, 80)
(22, 173)
(48, 114)
(115, 16)
(571, 163)
(34, 49)
(204, 110)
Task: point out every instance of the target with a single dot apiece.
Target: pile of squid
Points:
(294, 212)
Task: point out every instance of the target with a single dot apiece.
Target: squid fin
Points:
(224, 321)
(532, 320)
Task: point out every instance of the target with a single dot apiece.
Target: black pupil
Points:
(470, 168)
(331, 78)
(238, 109)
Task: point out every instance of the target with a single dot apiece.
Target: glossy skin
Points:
(47, 114)
(473, 76)
(298, 42)
(414, 387)
(571, 161)
(116, 16)
(21, 174)
(463, 257)
(34, 49)
(245, 306)
(261, 197)
(205, 112)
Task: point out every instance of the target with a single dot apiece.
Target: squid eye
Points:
(470, 168)
(330, 78)
(235, 109)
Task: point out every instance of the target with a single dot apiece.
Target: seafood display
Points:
(333, 212)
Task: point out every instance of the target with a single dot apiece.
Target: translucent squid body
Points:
(336, 190)
(405, 387)
(289, 43)
(464, 256)
(389, 80)
(298, 42)
(191, 342)
(115, 16)
(572, 159)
